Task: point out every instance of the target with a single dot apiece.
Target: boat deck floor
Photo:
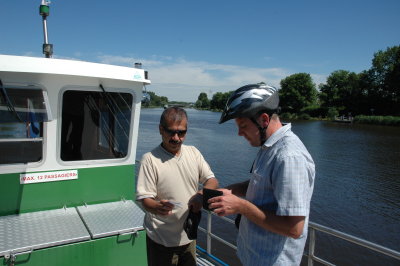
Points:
(205, 259)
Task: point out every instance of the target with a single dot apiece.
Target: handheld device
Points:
(208, 194)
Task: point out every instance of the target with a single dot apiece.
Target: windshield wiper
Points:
(10, 106)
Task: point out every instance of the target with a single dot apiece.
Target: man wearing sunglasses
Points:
(167, 186)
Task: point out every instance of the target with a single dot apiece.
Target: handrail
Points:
(353, 239)
(22, 140)
(312, 228)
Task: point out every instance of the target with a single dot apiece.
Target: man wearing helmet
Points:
(275, 202)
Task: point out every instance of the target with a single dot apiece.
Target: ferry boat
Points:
(68, 138)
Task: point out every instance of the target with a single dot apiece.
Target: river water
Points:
(357, 186)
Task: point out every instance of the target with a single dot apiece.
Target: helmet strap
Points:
(262, 131)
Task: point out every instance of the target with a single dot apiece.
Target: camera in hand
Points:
(208, 194)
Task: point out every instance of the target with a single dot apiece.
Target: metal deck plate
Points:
(112, 218)
(29, 231)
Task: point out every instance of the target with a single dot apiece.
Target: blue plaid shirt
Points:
(282, 182)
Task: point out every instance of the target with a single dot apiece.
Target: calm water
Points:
(357, 187)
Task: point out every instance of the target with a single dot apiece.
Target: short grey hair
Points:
(174, 113)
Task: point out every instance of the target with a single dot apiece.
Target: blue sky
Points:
(209, 46)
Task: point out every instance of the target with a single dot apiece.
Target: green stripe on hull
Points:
(94, 185)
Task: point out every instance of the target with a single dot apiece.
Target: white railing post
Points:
(311, 247)
(209, 232)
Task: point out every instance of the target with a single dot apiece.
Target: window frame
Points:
(95, 89)
(41, 123)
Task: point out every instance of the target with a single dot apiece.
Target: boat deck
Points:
(43, 229)
(205, 259)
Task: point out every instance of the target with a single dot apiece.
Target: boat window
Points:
(20, 103)
(95, 125)
(23, 109)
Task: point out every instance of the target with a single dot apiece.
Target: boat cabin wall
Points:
(78, 147)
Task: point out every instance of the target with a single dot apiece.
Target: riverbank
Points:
(359, 119)
(377, 120)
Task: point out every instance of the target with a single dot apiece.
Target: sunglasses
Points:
(172, 133)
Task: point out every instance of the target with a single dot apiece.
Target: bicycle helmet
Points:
(249, 100)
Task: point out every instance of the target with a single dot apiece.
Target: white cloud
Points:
(182, 80)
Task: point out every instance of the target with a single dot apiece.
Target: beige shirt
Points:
(163, 175)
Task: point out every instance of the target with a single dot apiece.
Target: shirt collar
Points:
(277, 135)
(171, 154)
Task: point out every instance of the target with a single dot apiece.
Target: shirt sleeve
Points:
(291, 186)
(146, 183)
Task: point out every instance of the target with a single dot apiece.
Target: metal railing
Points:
(210, 235)
(312, 228)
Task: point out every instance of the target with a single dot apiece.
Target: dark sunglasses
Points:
(172, 133)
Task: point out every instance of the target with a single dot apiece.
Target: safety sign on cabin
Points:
(30, 178)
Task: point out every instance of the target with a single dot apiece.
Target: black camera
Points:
(208, 194)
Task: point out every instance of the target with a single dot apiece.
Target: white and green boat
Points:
(68, 138)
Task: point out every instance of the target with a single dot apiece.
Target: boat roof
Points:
(39, 65)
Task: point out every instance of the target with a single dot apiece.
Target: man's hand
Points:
(291, 226)
(196, 202)
(226, 191)
(227, 204)
(165, 207)
(162, 207)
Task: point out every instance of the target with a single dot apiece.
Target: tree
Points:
(297, 93)
(156, 100)
(342, 92)
(372, 92)
(219, 100)
(202, 101)
(366, 100)
(385, 72)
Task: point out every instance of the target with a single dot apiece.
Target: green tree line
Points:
(154, 100)
(372, 92)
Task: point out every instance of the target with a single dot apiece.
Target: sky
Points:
(210, 46)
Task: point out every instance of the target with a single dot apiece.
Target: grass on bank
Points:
(360, 119)
(378, 120)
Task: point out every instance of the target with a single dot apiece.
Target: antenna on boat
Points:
(44, 12)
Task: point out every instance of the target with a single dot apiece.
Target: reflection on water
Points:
(357, 188)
